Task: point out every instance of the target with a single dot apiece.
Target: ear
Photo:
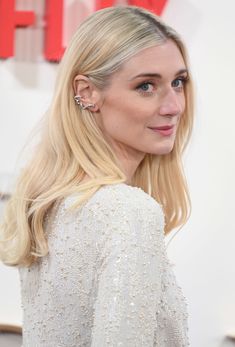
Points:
(87, 91)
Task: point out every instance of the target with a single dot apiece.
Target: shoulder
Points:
(122, 200)
(123, 192)
(116, 213)
(124, 195)
(117, 196)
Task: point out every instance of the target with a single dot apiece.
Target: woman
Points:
(86, 223)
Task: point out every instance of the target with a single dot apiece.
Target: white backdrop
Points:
(203, 251)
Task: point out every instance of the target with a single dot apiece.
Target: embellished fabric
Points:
(107, 281)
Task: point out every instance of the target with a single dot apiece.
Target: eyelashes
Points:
(182, 79)
(148, 87)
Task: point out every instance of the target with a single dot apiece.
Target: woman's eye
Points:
(179, 83)
(145, 87)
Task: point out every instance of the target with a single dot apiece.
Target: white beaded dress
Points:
(107, 280)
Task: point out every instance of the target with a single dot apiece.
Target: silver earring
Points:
(77, 99)
(87, 106)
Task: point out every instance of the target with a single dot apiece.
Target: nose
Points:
(172, 104)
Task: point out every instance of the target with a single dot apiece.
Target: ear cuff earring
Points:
(77, 99)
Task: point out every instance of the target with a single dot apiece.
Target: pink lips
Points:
(164, 127)
(165, 130)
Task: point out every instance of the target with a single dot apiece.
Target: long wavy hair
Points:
(72, 145)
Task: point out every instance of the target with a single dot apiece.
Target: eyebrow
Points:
(157, 75)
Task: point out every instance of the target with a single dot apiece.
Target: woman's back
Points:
(106, 280)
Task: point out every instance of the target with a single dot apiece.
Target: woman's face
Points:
(147, 92)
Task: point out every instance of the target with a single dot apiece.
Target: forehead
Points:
(165, 59)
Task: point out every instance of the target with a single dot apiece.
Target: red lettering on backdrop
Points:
(53, 49)
(156, 6)
(9, 20)
(99, 4)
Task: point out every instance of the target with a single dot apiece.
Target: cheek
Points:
(181, 108)
(123, 112)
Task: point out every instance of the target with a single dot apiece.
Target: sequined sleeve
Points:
(129, 277)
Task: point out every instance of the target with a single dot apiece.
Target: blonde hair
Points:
(72, 143)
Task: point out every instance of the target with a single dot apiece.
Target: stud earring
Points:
(77, 99)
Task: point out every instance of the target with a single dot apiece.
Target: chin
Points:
(161, 150)
(166, 151)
